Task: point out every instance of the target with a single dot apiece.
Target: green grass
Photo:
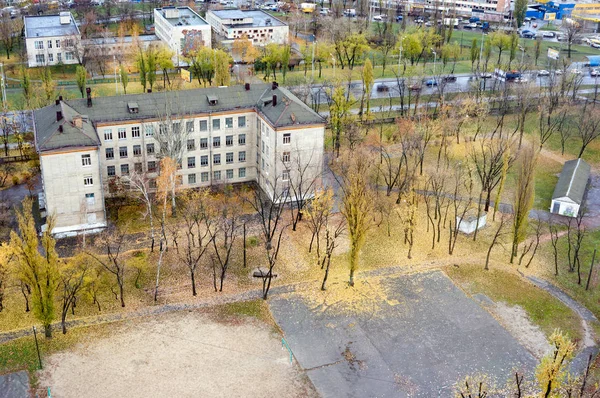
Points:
(550, 28)
(543, 309)
(568, 280)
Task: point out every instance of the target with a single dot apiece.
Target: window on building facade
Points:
(242, 156)
(150, 149)
(191, 162)
(216, 124)
(88, 181)
(191, 178)
(242, 139)
(285, 175)
(57, 43)
(204, 176)
(229, 122)
(137, 150)
(137, 167)
(122, 133)
(151, 166)
(122, 151)
(39, 45)
(50, 57)
(69, 56)
(176, 127)
(90, 199)
(242, 172)
(191, 145)
(149, 130)
(86, 160)
(59, 57)
(124, 169)
(216, 142)
(203, 125)
(49, 43)
(110, 153)
(40, 59)
(241, 121)
(203, 143)
(135, 132)
(217, 175)
(216, 158)
(189, 127)
(229, 157)
(228, 140)
(286, 157)
(107, 135)
(152, 184)
(69, 42)
(110, 171)
(287, 138)
(229, 174)
(204, 160)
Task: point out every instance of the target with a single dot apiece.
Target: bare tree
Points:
(500, 231)
(461, 204)
(269, 213)
(572, 30)
(303, 170)
(552, 228)
(197, 220)
(226, 225)
(110, 257)
(318, 212)
(10, 32)
(140, 183)
(588, 128)
(72, 277)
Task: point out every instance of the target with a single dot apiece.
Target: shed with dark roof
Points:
(570, 188)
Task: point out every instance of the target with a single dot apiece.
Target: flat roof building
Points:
(260, 27)
(182, 29)
(51, 39)
(249, 133)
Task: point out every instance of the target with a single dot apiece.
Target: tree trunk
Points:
(48, 330)
(121, 294)
(192, 274)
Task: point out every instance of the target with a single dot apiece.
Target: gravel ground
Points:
(178, 355)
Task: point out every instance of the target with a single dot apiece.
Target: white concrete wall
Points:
(52, 52)
(63, 175)
(172, 35)
(567, 207)
(468, 227)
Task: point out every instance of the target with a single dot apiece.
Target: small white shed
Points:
(469, 224)
(570, 188)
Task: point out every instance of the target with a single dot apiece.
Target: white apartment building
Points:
(181, 29)
(232, 135)
(260, 27)
(51, 39)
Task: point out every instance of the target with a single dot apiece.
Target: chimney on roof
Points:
(60, 128)
(88, 91)
(274, 100)
(149, 91)
(60, 98)
(57, 102)
(274, 85)
(247, 86)
(65, 18)
(58, 116)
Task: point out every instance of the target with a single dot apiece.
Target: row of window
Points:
(176, 126)
(41, 58)
(191, 160)
(109, 153)
(39, 44)
(191, 177)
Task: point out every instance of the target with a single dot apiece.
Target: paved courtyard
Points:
(418, 342)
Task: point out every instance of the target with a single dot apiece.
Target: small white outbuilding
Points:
(469, 223)
(570, 188)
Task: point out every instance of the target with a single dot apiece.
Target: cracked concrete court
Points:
(418, 342)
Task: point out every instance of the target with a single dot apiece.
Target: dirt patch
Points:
(517, 322)
(178, 355)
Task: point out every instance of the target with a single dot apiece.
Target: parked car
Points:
(415, 87)
(595, 45)
(521, 80)
(486, 75)
(399, 18)
(528, 35)
(558, 72)
(535, 25)
(431, 82)
(543, 73)
(449, 79)
(594, 72)
(576, 71)
(527, 19)
(550, 35)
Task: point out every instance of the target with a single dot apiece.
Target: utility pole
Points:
(3, 86)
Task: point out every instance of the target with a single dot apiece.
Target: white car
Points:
(558, 72)
(550, 35)
(576, 71)
(543, 72)
(594, 72)
(527, 19)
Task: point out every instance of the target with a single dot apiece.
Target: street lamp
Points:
(116, 85)
(522, 54)
(3, 86)
(434, 60)
(333, 58)
(400, 53)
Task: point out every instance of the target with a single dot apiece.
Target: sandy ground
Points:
(178, 355)
(517, 322)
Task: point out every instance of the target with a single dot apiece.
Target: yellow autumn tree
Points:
(36, 264)
(552, 370)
